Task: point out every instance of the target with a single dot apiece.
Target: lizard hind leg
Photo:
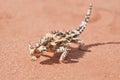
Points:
(81, 44)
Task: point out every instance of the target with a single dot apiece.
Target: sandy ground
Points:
(25, 21)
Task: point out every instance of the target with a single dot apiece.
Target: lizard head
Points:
(36, 51)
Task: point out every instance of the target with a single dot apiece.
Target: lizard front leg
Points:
(64, 52)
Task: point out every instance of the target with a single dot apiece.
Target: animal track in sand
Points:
(98, 17)
(110, 19)
(4, 18)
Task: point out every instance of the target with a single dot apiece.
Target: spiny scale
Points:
(58, 41)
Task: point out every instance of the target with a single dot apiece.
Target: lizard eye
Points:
(41, 48)
(44, 49)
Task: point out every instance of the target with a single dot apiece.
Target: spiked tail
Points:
(86, 19)
(84, 22)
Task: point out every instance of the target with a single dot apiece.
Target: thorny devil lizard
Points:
(59, 42)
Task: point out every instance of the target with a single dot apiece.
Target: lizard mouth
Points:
(35, 56)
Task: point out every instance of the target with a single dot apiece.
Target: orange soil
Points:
(24, 21)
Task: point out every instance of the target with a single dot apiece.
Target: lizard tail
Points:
(84, 22)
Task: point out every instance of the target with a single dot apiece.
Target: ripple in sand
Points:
(4, 18)
(101, 16)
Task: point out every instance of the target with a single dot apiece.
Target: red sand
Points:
(24, 21)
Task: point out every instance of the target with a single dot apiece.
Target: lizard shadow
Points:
(74, 54)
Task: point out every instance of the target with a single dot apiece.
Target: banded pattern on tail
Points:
(84, 22)
(86, 19)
